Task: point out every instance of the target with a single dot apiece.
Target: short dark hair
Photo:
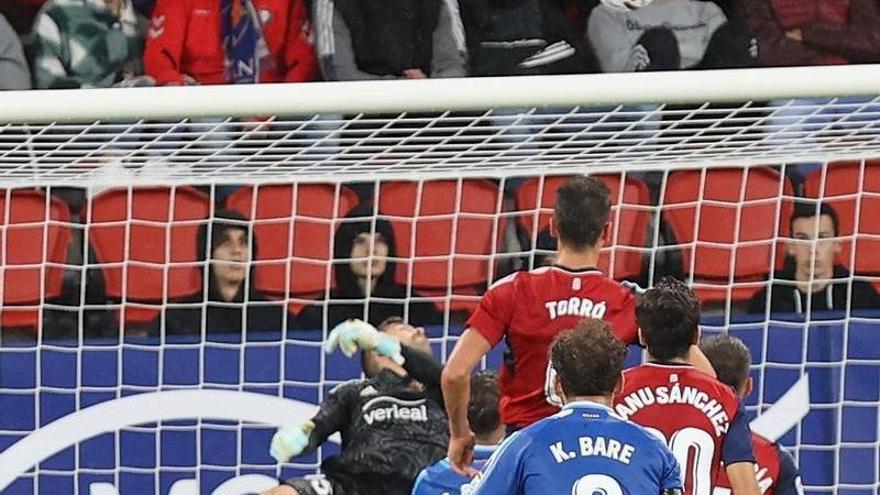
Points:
(669, 317)
(223, 221)
(483, 410)
(581, 211)
(730, 357)
(588, 359)
(809, 209)
(387, 322)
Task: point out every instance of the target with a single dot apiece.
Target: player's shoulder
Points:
(351, 386)
(561, 274)
(435, 472)
(639, 434)
(708, 382)
(554, 422)
(507, 281)
(762, 441)
(765, 447)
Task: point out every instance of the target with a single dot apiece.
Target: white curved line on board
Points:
(138, 409)
(786, 413)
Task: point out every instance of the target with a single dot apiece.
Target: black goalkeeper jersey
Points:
(388, 428)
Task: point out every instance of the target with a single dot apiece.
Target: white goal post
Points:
(103, 193)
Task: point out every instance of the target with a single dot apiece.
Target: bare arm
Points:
(742, 478)
(456, 384)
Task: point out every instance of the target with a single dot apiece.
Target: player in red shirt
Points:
(775, 470)
(699, 417)
(528, 310)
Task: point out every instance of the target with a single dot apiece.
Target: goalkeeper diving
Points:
(392, 425)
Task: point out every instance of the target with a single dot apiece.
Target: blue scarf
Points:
(244, 43)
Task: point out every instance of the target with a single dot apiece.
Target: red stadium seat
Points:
(457, 230)
(34, 234)
(630, 215)
(842, 191)
(728, 223)
(293, 227)
(145, 240)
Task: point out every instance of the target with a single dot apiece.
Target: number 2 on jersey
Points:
(596, 484)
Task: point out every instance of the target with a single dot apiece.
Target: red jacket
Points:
(833, 31)
(185, 39)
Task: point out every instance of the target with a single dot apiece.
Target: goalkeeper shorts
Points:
(344, 484)
(316, 484)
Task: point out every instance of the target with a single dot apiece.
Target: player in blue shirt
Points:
(584, 449)
(485, 420)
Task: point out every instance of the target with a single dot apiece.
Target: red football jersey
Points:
(774, 470)
(695, 414)
(528, 310)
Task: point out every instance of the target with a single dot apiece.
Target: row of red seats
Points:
(145, 238)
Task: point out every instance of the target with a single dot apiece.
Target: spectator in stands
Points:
(86, 44)
(485, 421)
(813, 32)
(230, 287)
(230, 41)
(811, 278)
(545, 249)
(14, 73)
(21, 13)
(668, 35)
(365, 283)
(522, 37)
(389, 39)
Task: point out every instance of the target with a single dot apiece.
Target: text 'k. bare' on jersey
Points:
(388, 427)
(528, 309)
(585, 449)
(699, 417)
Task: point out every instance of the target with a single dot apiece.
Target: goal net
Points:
(172, 258)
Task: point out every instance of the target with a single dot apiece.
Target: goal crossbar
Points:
(439, 95)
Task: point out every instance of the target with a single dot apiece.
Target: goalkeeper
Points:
(392, 426)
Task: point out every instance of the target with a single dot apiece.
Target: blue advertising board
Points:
(104, 417)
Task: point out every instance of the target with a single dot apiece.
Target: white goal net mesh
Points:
(125, 366)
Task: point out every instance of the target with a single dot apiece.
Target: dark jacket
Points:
(785, 297)
(379, 39)
(224, 317)
(833, 31)
(220, 316)
(522, 37)
(347, 300)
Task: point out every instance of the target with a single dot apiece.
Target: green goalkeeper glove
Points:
(352, 335)
(290, 441)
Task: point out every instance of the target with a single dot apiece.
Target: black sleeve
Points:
(672, 491)
(424, 368)
(424, 312)
(789, 482)
(864, 296)
(310, 318)
(758, 302)
(333, 415)
(557, 27)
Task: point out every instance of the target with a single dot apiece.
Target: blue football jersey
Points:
(585, 449)
(440, 479)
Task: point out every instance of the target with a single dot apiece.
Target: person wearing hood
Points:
(811, 280)
(230, 284)
(365, 250)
